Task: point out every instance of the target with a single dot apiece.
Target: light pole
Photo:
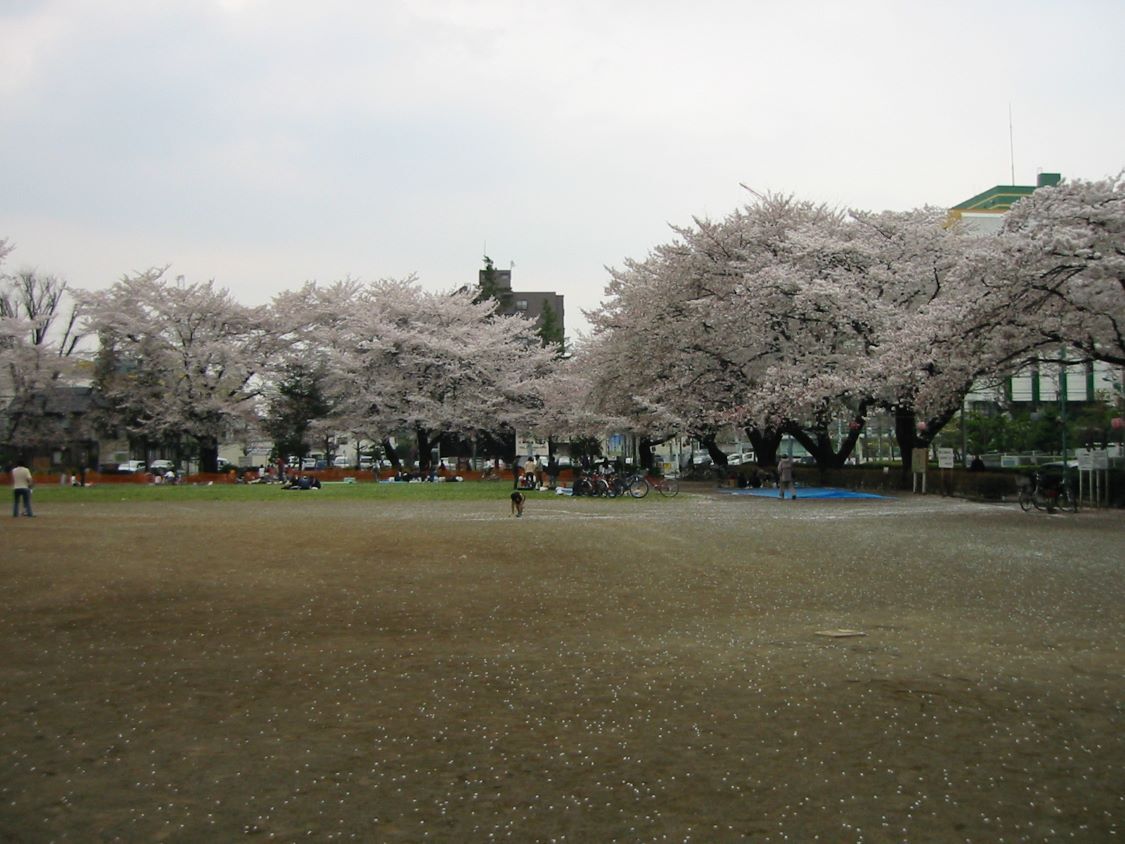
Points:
(1062, 408)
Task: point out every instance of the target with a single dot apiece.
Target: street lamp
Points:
(1062, 408)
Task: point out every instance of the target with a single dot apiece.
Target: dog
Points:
(517, 503)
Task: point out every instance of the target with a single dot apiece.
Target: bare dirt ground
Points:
(595, 671)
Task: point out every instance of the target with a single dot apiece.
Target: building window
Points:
(521, 304)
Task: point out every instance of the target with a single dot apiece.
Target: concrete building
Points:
(532, 304)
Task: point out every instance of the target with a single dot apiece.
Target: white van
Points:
(341, 462)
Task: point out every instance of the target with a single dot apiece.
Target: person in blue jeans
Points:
(22, 483)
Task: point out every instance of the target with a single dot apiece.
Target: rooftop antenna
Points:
(1011, 145)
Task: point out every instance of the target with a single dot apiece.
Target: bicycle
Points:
(1048, 493)
(639, 485)
(593, 485)
(665, 485)
(633, 485)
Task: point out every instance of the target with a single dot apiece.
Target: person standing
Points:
(785, 477)
(22, 483)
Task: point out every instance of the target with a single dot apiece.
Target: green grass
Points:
(469, 491)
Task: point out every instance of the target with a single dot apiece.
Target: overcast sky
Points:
(264, 143)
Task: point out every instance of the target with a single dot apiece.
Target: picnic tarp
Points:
(806, 492)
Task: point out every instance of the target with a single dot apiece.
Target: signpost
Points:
(918, 459)
(1093, 474)
(945, 466)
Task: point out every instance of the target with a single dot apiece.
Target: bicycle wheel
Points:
(601, 488)
(668, 486)
(638, 488)
(1068, 501)
(1026, 500)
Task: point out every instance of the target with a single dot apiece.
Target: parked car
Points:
(701, 458)
(162, 466)
(341, 462)
(366, 463)
(131, 466)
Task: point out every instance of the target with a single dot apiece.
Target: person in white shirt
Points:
(22, 483)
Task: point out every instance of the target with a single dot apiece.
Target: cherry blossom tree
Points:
(39, 345)
(436, 362)
(743, 321)
(918, 288)
(1050, 286)
(1054, 278)
(178, 359)
(305, 392)
(786, 317)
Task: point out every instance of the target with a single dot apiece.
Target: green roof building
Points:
(985, 211)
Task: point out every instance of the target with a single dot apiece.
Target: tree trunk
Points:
(718, 457)
(646, 453)
(766, 442)
(906, 435)
(208, 454)
(391, 454)
(819, 444)
(423, 450)
(910, 437)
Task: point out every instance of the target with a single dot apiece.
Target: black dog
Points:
(517, 503)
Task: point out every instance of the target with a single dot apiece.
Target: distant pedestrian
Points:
(22, 484)
(785, 477)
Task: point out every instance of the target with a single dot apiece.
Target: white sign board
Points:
(1101, 459)
(1009, 461)
(945, 458)
(918, 459)
(1085, 459)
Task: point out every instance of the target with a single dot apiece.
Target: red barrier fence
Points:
(230, 477)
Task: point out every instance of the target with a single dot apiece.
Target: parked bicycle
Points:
(665, 485)
(593, 484)
(632, 484)
(638, 485)
(1048, 492)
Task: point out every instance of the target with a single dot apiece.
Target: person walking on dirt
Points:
(785, 477)
(22, 483)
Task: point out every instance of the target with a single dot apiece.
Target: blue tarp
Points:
(806, 492)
